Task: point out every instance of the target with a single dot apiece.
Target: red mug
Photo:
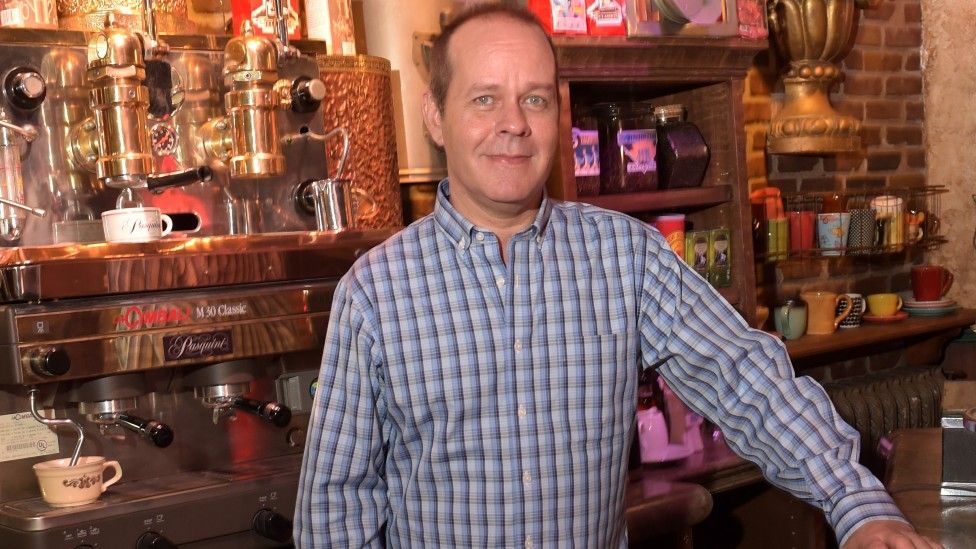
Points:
(930, 282)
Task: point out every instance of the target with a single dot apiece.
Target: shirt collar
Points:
(461, 231)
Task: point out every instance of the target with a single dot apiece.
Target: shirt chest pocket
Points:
(597, 389)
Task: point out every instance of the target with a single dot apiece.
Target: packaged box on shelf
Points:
(560, 16)
(606, 17)
(696, 251)
(720, 257)
(264, 18)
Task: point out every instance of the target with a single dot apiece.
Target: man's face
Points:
(499, 121)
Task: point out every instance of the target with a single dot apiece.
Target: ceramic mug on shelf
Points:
(886, 304)
(822, 315)
(790, 319)
(853, 319)
(832, 232)
(931, 282)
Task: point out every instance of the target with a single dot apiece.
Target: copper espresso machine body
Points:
(69, 164)
(211, 336)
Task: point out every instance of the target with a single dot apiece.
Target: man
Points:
(479, 376)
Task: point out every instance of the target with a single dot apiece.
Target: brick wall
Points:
(882, 87)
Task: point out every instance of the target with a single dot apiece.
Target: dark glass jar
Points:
(682, 154)
(627, 147)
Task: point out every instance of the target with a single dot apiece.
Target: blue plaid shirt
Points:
(468, 402)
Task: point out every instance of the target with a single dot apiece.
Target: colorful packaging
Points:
(331, 22)
(696, 251)
(586, 161)
(264, 18)
(560, 16)
(752, 19)
(30, 14)
(606, 17)
(720, 257)
(672, 226)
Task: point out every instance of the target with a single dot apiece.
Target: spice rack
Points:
(707, 77)
(901, 219)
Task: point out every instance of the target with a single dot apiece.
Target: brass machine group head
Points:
(247, 138)
(120, 101)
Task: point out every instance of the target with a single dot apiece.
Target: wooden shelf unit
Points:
(705, 75)
(867, 334)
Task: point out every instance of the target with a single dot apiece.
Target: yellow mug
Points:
(884, 304)
(821, 307)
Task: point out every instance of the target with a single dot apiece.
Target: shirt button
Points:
(480, 236)
(527, 478)
(518, 345)
(500, 281)
(521, 411)
(528, 542)
(461, 244)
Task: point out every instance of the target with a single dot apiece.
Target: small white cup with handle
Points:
(140, 224)
(64, 486)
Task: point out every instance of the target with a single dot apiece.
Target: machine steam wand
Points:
(32, 395)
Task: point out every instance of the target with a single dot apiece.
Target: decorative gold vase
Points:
(811, 35)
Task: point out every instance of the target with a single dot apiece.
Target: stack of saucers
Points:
(940, 307)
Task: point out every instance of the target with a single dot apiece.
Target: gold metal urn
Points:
(811, 35)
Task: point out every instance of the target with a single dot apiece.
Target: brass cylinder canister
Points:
(252, 103)
(360, 99)
(120, 101)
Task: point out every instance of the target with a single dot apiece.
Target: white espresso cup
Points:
(64, 486)
(142, 224)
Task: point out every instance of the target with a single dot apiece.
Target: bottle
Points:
(682, 154)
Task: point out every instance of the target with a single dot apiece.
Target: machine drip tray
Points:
(148, 494)
(958, 462)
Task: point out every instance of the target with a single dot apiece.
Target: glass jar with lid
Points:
(628, 143)
(682, 154)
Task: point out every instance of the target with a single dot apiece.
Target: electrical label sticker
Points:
(22, 436)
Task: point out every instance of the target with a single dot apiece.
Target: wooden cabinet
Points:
(705, 75)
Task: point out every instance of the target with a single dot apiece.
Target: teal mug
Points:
(790, 319)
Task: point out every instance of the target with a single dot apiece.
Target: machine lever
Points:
(156, 432)
(160, 182)
(277, 414)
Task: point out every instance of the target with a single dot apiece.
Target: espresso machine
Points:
(191, 360)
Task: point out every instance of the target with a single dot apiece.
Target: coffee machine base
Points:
(243, 508)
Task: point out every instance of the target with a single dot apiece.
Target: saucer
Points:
(939, 304)
(897, 317)
(932, 311)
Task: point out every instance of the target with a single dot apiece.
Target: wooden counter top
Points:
(913, 477)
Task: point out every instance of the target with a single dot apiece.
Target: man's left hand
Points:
(888, 534)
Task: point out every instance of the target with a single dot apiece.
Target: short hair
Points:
(440, 64)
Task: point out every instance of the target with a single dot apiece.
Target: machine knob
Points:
(271, 525)
(153, 540)
(49, 362)
(25, 88)
(307, 94)
(160, 435)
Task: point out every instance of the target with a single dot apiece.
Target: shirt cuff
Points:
(853, 510)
